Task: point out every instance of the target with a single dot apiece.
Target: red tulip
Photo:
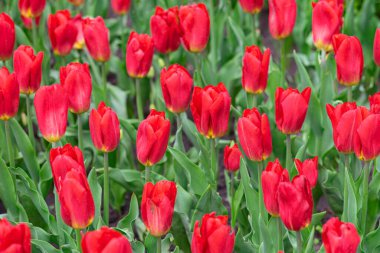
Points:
(254, 135)
(309, 169)
(9, 94)
(62, 32)
(121, 7)
(177, 88)
(28, 69)
(349, 59)
(291, 109)
(367, 141)
(76, 80)
(105, 240)
(214, 235)
(7, 36)
(139, 55)
(210, 107)
(104, 128)
(51, 104)
(271, 178)
(96, 36)
(295, 202)
(157, 206)
(165, 30)
(76, 2)
(195, 27)
(251, 6)
(232, 156)
(340, 237)
(327, 20)
(14, 238)
(31, 8)
(255, 69)
(79, 42)
(28, 22)
(152, 138)
(282, 17)
(376, 47)
(374, 101)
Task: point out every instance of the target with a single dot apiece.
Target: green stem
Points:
(147, 174)
(79, 239)
(30, 122)
(279, 234)
(140, 112)
(232, 185)
(167, 60)
(213, 38)
(345, 189)
(365, 196)
(349, 94)
(104, 80)
(34, 33)
(254, 28)
(260, 190)
(4, 63)
(106, 208)
(214, 166)
(159, 245)
(283, 61)
(80, 132)
(288, 152)
(251, 100)
(299, 242)
(58, 217)
(9, 144)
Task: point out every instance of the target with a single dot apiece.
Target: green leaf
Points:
(236, 200)
(181, 231)
(96, 191)
(44, 246)
(133, 214)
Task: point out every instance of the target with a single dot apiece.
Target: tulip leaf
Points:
(352, 200)
(371, 243)
(236, 201)
(267, 242)
(181, 231)
(310, 242)
(44, 246)
(21, 36)
(133, 214)
(129, 129)
(96, 191)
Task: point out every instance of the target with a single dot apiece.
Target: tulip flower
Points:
(165, 29)
(31, 8)
(282, 17)
(177, 88)
(195, 27)
(271, 178)
(251, 6)
(210, 107)
(14, 238)
(291, 108)
(76, 80)
(51, 104)
(7, 36)
(76, 3)
(376, 47)
(254, 135)
(339, 237)
(152, 138)
(157, 206)
(28, 22)
(295, 202)
(104, 128)
(9, 94)
(255, 69)
(232, 156)
(374, 102)
(28, 68)
(139, 54)
(121, 7)
(105, 240)
(213, 235)
(366, 141)
(308, 168)
(79, 42)
(349, 59)
(96, 36)
(62, 32)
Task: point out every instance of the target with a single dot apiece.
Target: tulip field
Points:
(189, 126)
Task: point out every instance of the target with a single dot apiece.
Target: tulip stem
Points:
(9, 144)
(213, 38)
(254, 28)
(299, 242)
(159, 245)
(80, 132)
(279, 233)
(214, 166)
(30, 122)
(34, 33)
(349, 94)
(106, 210)
(283, 61)
(260, 191)
(58, 218)
(365, 196)
(140, 112)
(104, 80)
(79, 239)
(288, 152)
(167, 60)
(147, 174)
(345, 189)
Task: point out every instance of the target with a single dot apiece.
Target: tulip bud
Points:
(232, 156)
(210, 107)
(105, 240)
(254, 135)
(51, 104)
(9, 94)
(76, 80)
(152, 138)
(157, 206)
(79, 42)
(349, 59)
(28, 69)
(165, 29)
(374, 102)
(376, 47)
(367, 141)
(309, 169)
(271, 178)
(213, 235)
(14, 238)
(195, 27)
(76, 3)
(291, 109)
(104, 128)
(251, 6)
(295, 202)
(282, 17)
(255, 69)
(31, 8)
(96, 36)
(339, 237)
(139, 54)
(120, 7)
(177, 88)
(28, 22)
(7, 36)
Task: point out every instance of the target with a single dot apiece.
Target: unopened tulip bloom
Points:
(28, 22)
(213, 235)
(210, 107)
(121, 7)
(139, 56)
(232, 156)
(79, 42)
(291, 108)
(165, 29)
(28, 68)
(255, 69)
(295, 202)
(254, 135)
(76, 2)
(349, 59)
(9, 94)
(76, 80)
(14, 238)
(374, 102)
(51, 104)
(96, 36)
(152, 138)
(157, 206)
(340, 237)
(105, 240)
(308, 168)
(271, 178)
(282, 17)
(376, 47)
(195, 27)
(367, 141)
(251, 6)
(177, 88)
(31, 8)
(7, 36)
